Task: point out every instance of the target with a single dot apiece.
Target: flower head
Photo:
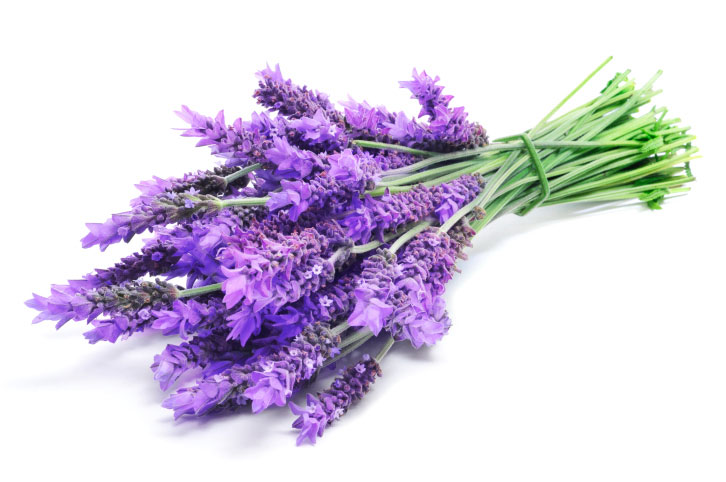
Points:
(295, 194)
(424, 89)
(331, 404)
(372, 307)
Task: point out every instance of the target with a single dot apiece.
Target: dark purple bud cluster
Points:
(290, 100)
(331, 404)
(155, 258)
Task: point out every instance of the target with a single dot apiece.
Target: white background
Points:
(586, 346)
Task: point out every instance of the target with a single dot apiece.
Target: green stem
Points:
(351, 339)
(338, 329)
(364, 248)
(461, 213)
(384, 349)
(392, 147)
(243, 201)
(569, 96)
(237, 174)
(202, 290)
(504, 146)
(350, 349)
(427, 174)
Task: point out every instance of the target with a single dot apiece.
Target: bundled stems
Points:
(600, 151)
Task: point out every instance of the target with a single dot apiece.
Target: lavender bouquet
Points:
(323, 228)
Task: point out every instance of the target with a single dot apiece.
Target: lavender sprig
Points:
(331, 404)
(267, 381)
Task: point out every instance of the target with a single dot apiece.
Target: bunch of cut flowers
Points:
(324, 229)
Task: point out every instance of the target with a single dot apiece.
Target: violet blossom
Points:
(331, 404)
(267, 381)
(375, 217)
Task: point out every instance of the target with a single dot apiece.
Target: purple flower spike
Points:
(148, 212)
(241, 144)
(448, 131)
(156, 258)
(425, 265)
(128, 304)
(162, 201)
(210, 351)
(367, 122)
(448, 128)
(321, 411)
(282, 95)
(371, 311)
(269, 380)
(377, 216)
(206, 395)
(453, 198)
(170, 365)
(374, 289)
(424, 89)
(273, 269)
(311, 421)
(321, 193)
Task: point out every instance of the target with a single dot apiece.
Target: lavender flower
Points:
(331, 302)
(156, 258)
(358, 171)
(388, 160)
(266, 271)
(149, 210)
(375, 285)
(282, 95)
(318, 129)
(376, 217)
(428, 94)
(131, 298)
(264, 268)
(425, 266)
(240, 144)
(347, 176)
(190, 316)
(210, 350)
(196, 242)
(306, 133)
(367, 122)
(432, 255)
(290, 162)
(403, 295)
(333, 403)
(420, 316)
(267, 381)
(162, 201)
(295, 195)
(449, 129)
